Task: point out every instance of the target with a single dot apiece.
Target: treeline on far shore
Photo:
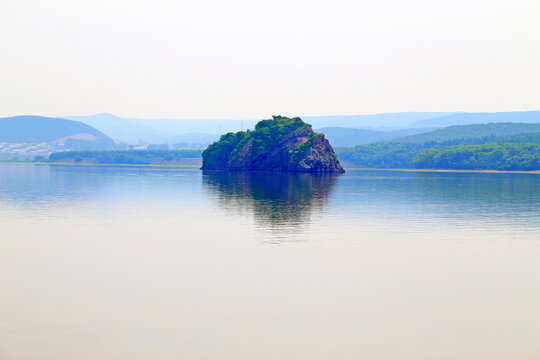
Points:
(481, 157)
(494, 152)
(492, 156)
(132, 157)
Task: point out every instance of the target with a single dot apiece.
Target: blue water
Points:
(166, 263)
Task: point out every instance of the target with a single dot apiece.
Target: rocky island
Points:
(277, 144)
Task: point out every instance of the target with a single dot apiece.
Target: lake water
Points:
(164, 263)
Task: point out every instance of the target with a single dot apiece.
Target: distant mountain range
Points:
(29, 128)
(375, 127)
(471, 131)
(340, 136)
(131, 130)
(385, 121)
(480, 118)
(395, 121)
(24, 136)
(341, 130)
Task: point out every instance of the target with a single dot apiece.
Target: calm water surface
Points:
(156, 263)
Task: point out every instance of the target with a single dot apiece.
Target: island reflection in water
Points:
(170, 260)
(279, 201)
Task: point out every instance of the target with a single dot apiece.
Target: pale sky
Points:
(252, 59)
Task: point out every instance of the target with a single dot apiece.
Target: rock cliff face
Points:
(279, 144)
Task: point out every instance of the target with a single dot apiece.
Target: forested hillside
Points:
(401, 154)
(486, 156)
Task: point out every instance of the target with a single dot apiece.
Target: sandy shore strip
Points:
(450, 171)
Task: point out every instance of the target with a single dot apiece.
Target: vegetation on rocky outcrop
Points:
(278, 144)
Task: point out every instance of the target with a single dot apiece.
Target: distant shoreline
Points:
(347, 168)
(450, 171)
(96, 164)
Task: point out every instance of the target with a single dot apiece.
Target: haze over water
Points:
(165, 263)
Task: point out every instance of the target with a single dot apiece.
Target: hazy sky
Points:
(251, 59)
